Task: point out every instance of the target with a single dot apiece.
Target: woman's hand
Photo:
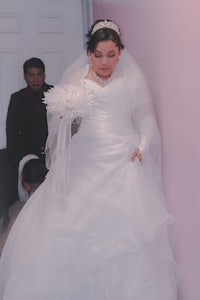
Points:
(136, 154)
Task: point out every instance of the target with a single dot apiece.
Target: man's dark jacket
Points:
(26, 124)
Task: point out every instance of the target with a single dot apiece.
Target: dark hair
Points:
(103, 34)
(33, 62)
(34, 171)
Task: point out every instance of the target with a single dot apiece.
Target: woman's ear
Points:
(119, 54)
(89, 56)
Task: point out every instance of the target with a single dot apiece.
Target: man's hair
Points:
(33, 62)
(34, 171)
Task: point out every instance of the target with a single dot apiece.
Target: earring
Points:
(90, 62)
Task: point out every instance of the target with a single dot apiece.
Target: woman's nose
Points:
(104, 61)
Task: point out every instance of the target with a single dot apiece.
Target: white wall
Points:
(164, 37)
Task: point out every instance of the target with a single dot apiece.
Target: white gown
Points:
(106, 238)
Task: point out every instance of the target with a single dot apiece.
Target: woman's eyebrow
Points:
(100, 52)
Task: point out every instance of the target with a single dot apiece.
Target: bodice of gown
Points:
(112, 114)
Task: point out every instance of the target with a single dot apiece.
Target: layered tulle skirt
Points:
(104, 238)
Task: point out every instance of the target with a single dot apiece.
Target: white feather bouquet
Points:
(69, 100)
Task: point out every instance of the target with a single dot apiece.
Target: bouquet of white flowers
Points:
(69, 100)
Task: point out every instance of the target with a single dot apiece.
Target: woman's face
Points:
(105, 58)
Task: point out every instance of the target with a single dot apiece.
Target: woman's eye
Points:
(99, 55)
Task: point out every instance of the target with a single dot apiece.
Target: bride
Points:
(97, 227)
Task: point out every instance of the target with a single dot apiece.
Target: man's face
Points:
(35, 78)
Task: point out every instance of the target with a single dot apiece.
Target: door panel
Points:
(50, 29)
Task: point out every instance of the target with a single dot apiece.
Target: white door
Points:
(52, 30)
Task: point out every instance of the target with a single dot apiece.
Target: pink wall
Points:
(164, 36)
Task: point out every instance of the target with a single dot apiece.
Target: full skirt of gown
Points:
(106, 238)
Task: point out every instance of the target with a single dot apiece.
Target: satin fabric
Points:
(106, 236)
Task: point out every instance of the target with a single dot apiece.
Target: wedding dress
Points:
(101, 231)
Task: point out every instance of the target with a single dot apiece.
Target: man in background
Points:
(26, 124)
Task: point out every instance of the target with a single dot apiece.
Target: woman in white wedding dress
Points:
(97, 227)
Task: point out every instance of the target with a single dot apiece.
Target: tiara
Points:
(105, 24)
